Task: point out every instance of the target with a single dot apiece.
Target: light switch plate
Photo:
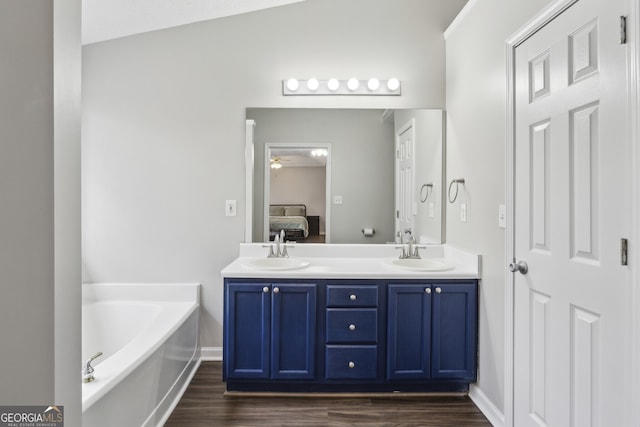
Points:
(230, 208)
(431, 210)
(463, 212)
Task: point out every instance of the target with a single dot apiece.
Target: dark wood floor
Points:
(204, 404)
(313, 238)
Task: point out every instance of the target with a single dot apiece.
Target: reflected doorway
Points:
(297, 183)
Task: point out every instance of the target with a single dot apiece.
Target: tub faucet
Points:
(87, 372)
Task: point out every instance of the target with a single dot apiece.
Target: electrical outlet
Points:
(463, 212)
(230, 207)
(337, 200)
(502, 216)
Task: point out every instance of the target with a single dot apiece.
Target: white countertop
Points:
(330, 261)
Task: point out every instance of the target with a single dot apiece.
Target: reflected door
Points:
(405, 166)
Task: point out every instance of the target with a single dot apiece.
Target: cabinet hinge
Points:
(623, 251)
(623, 30)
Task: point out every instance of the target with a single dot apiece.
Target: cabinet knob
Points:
(438, 290)
(427, 290)
(353, 297)
(265, 289)
(276, 290)
(352, 365)
(352, 327)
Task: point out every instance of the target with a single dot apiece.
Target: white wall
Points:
(67, 86)
(164, 119)
(476, 111)
(39, 193)
(26, 189)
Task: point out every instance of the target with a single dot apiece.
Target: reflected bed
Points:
(292, 218)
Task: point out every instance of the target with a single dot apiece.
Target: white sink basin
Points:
(276, 263)
(424, 264)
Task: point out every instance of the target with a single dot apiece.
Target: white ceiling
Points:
(110, 19)
(298, 158)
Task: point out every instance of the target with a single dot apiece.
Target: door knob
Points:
(521, 266)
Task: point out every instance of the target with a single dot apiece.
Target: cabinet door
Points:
(408, 333)
(454, 331)
(247, 330)
(293, 331)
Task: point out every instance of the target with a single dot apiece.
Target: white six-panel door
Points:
(571, 210)
(405, 171)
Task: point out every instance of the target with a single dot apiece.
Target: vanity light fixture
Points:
(333, 86)
(313, 84)
(393, 84)
(292, 85)
(319, 152)
(353, 84)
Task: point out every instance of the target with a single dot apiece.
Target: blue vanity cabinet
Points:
(349, 335)
(352, 332)
(408, 331)
(454, 331)
(432, 331)
(270, 330)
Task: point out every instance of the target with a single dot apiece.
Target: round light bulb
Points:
(333, 84)
(373, 84)
(393, 84)
(353, 84)
(292, 85)
(313, 84)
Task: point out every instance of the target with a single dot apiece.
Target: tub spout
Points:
(87, 372)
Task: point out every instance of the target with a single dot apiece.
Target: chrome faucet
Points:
(87, 372)
(410, 249)
(280, 247)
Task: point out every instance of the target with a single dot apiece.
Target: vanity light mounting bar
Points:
(342, 89)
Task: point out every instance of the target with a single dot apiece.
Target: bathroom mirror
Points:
(362, 192)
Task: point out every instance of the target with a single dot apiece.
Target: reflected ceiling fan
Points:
(276, 162)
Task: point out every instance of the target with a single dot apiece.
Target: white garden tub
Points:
(148, 334)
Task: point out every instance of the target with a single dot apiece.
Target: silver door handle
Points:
(521, 266)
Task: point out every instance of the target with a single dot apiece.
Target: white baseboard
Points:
(211, 354)
(493, 414)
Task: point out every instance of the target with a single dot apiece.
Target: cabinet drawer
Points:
(352, 325)
(352, 296)
(355, 362)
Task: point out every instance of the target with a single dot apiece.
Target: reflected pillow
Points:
(276, 211)
(294, 211)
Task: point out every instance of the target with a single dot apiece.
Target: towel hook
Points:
(424, 196)
(457, 182)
